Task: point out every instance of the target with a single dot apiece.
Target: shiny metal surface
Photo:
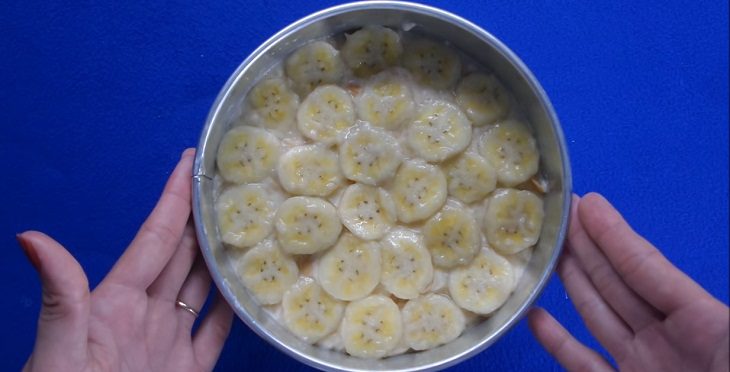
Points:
(476, 43)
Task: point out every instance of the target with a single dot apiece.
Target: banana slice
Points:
(267, 272)
(245, 214)
(483, 98)
(326, 114)
(371, 49)
(315, 64)
(470, 177)
(306, 225)
(369, 155)
(275, 103)
(452, 235)
(512, 151)
(247, 154)
(386, 100)
(351, 269)
(513, 220)
(309, 312)
(430, 321)
(372, 327)
(310, 170)
(367, 211)
(483, 285)
(432, 64)
(419, 190)
(407, 270)
(439, 131)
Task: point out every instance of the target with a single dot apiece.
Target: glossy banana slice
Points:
(407, 270)
(419, 190)
(483, 285)
(310, 170)
(452, 235)
(371, 50)
(513, 220)
(247, 154)
(315, 64)
(245, 214)
(431, 321)
(372, 327)
(439, 131)
(483, 98)
(309, 312)
(512, 151)
(369, 155)
(275, 103)
(470, 177)
(351, 269)
(306, 225)
(326, 114)
(367, 211)
(267, 272)
(432, 64)
(387, 100)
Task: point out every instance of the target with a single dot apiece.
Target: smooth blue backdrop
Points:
(98, 99)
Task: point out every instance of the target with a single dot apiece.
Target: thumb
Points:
(61, 341)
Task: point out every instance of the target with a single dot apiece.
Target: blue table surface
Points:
(98, 99)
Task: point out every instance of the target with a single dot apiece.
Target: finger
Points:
(212, 333)
(160, 234)
(600, 319)
(194, 292)
(638, 262)
(569, 352)
(171, 279)
(63, 323)
(622, 299)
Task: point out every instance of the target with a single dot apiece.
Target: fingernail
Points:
(189, 151)
(29, 252)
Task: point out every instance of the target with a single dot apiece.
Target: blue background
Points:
(98, 99)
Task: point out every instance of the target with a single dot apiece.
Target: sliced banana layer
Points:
(369, 155)
(430, 321)
(315, 64)
(351, 269)
(512, 151)
(275, 103)
(309, 312)
(439, 131)
(483, 98)
(371, 49)
(326, 114)
(452, 235)
(407, 270)
(372, 327)
(267, 272)
(247, 154)
(310, 170)
(432, 64)
(470, 177)
(483, 285)
(245, 214)
(367, 211)
(387, 100)
(306, 225)
(513, 220)
(419, 190)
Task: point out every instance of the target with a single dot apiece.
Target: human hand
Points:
(130, 321)
(647, 313)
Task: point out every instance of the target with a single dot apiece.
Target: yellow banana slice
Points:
(245, 214)
(371, 49)
(267, 272)
(511, 150)
(387, 100)
(306, 225)
(452, 235)
(247, 154)
(432, 64)
(275, 104)
(315, 64)
(513, 220)
(351, 269)
(439, 131)
(372, 327)
(470, 177)
(407, 270)
(419, 190)
(369, 155)
(326, 114)
(367, 211)
(309, 312)
(312, 170)
(483, 98)
(483, 285)
(431, 321)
